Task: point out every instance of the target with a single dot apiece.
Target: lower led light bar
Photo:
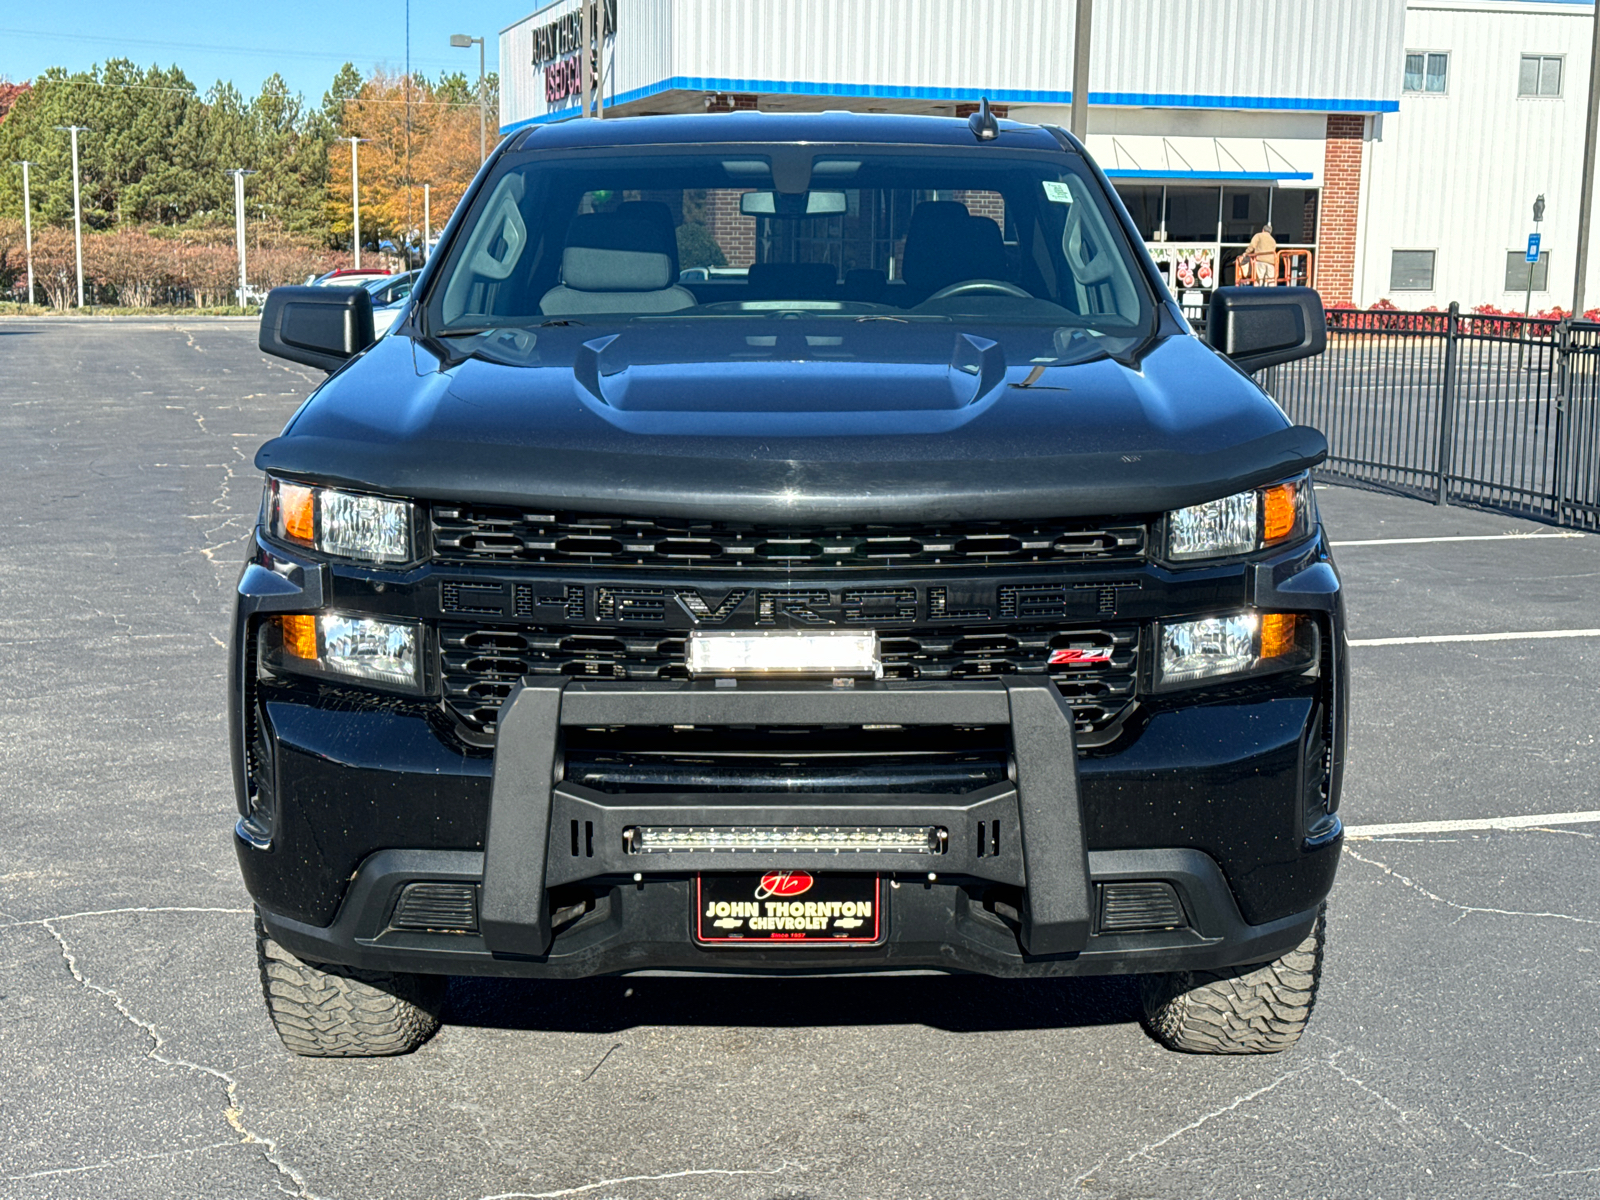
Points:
(816, 839)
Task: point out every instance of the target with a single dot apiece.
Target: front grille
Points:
(479, 534)
(481, 663)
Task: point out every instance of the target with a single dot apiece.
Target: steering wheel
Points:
(975, 287)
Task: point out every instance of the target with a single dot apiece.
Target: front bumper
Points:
(1226, 795)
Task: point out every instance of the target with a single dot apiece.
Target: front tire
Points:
(1261, 1009)
(326, 1011)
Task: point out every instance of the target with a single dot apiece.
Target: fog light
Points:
(1244, 643)
(367, 649)
(824, 839)
(333, 644)
(1213, 646)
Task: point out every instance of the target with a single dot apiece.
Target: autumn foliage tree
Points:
(416, 133)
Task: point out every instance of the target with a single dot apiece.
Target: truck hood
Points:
(909, 424)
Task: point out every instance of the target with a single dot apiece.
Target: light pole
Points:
(355, 195)
(77, 204)
(238, 174)
(27, 223)
(462, 42)
(427, 222)
(1586, 193)
(1080, 69)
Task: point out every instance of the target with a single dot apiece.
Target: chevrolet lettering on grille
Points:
(673, 607)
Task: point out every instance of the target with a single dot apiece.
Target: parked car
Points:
(962, 611)
(349, 277)
(389, 295)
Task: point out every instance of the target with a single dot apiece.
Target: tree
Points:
(346, 86)
(443, 140)
(8, 95)
(156, 152)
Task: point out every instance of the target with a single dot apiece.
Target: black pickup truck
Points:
(789, 544)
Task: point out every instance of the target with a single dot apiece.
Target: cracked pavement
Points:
(1454, 1050)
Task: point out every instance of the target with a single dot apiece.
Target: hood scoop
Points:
(788, 374)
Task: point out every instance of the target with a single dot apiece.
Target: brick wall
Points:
(1340, 203)
(984, 204)
(734, 232)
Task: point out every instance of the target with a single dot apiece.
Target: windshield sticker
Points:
(1057, 192)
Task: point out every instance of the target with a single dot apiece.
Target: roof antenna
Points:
(982, 123)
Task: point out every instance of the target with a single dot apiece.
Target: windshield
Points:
(712, 234)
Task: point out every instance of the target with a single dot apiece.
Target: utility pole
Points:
(355, 195)
(462, 42)
(27, 223)
(427, 223)
(77, 204)
(1080, 69)
(1586, 196)
(238, 174)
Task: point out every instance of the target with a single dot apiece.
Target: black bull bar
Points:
(526, 852)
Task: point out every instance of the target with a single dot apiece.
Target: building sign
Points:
(561, 80)
(561, 37)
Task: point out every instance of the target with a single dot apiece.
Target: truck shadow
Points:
(955, 1004)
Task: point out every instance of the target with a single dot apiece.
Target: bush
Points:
(131, 264)
(55, 269)
(697, 248)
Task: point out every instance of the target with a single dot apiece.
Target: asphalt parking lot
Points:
(1454, 1051)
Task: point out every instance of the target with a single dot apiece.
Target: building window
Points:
(1411, 271)
(1426, 71)
(1540, 75)
(1517, 265)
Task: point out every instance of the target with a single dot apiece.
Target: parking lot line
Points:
(1429, 639)
(1470, 537)
(1534, 822)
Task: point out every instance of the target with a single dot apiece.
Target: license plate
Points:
(788, 908)
(780, 652)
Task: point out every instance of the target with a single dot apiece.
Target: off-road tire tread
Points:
(326, 1011)
(1261, 1009)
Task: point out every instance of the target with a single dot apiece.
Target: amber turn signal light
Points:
(299, 636)
(1278, 506)
(1277, 634)
(295, 513)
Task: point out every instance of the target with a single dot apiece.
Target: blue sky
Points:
(303, 41)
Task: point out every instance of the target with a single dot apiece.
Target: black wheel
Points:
(327, 1011)
(1260, 1009)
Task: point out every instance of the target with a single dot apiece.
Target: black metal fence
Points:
(1490, 410)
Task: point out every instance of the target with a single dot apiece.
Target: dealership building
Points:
(1396, 146)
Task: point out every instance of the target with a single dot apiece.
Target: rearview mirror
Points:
(318, 326)
(802, 204)
(1261, 327)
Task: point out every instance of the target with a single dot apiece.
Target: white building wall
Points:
(1271, 55)
(1458, 173)
(1343, 50)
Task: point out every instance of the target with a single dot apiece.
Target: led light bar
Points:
(780, 652)
(817, 839)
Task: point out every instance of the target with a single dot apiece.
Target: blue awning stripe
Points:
(696, 83)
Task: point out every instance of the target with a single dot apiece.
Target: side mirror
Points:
(1262, 326)
(318, 326)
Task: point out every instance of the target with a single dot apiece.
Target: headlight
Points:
(341, 646)
(344, 524)
(1242, 523)
(1245, 643)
